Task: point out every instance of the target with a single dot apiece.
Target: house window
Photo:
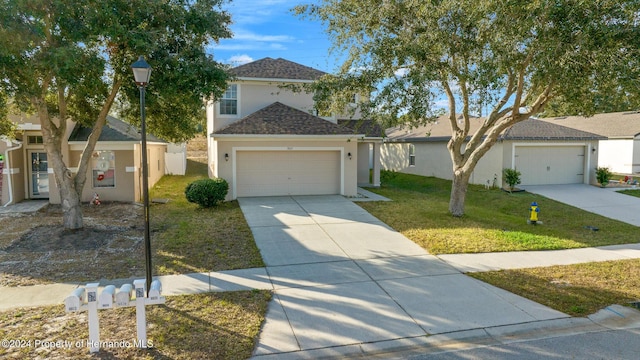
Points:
(412, 155)
(229, 101)
(34, 139)
(103, 169)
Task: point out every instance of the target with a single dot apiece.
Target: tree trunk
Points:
(458, 192)
(70, 200)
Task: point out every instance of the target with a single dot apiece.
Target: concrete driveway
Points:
(606, 202)
(345, 280)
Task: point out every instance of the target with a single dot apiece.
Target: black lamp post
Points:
(142, 73)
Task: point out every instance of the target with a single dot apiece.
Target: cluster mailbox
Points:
(87, 298)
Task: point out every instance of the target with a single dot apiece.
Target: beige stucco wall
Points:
(224, 169)
(13, 164)
(433, 159)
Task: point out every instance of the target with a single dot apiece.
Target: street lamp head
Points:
(141, 72)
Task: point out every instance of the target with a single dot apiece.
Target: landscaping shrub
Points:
(603, 174)
(511, 177)
(207, 192)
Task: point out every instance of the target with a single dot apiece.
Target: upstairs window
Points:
(412, 155)
(229, 101)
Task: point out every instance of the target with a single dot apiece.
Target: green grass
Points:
(187, 238)
(494, 220)
(632, 192)
(577, 290)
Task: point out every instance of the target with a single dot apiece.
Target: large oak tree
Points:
(70, 60)
(511, 57)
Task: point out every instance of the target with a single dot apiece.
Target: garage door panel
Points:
(550, 165)
(273, 173)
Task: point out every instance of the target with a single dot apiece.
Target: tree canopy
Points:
(71, 60)
(512, 57)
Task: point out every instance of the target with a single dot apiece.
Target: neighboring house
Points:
(543, 152)
(266, 140)
(114, 172)
(620, 151)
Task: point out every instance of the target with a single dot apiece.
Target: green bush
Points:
(207, 192)
(511, 177)
(387, 176)
(603, 174)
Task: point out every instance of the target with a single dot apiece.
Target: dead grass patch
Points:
(203, 326)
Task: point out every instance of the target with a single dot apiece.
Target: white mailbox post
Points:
(92, 308)
(75, 302)
(141, 316)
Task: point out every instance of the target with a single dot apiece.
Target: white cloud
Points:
(243, 35)
(236, 60)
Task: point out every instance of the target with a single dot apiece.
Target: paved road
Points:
(604, 345)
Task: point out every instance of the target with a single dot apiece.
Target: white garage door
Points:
(550, 165)
(275, 173)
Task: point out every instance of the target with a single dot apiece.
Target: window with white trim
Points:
(229, 101)
(104, 172)
(412, 155)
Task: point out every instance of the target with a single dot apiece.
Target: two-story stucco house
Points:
(266, 140)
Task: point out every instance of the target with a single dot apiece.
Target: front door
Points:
(39, 175)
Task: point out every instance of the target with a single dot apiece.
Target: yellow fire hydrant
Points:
(533, 213)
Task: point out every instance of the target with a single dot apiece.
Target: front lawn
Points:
(632, 192)
(187, 238)
(494, 220)
(577, 290)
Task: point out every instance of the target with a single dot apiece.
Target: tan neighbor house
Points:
(544, 153)
(266, 140)
(114, 171)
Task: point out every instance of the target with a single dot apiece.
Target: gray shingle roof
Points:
(280, 119)
(618, 124)
(370, 128)
(530, 129)
(114, 130)
(269, 68)
(534, 129)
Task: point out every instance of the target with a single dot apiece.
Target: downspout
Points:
(8, 167)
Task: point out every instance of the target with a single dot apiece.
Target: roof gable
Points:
(280, 119)
(269, 68)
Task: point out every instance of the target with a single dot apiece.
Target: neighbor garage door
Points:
(550, 165)
(274, 173)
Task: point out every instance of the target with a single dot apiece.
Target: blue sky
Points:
(268, 28)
